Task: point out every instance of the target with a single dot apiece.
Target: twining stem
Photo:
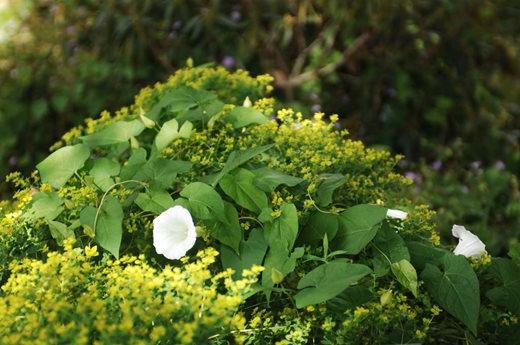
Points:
(386, 257)
(106, 193)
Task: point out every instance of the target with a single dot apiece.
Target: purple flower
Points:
(228, 61)
(236, 16)
(415, 177)
(316, 108)
(437, 165)
(172, 35)
(13, 160)
(176, 25)
(500, 165)
(476, 164)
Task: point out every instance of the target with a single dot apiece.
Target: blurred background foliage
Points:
(436, 80)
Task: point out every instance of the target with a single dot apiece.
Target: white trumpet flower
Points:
(398, 214)
(469, 244)
(174, 233)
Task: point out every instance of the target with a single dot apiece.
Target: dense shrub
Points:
(265, 187)
(416, 76)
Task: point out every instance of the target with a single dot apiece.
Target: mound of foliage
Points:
(311, 247)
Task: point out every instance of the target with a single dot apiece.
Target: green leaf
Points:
(109, 226)
(180, 99)
(329, 183)
(425, 253)
(205, 202)
(102, 171)
(161, 172)
(252, 252)
(327, 281)
(455, 288)
(237, 158)
(351, 297)
(282, 231)
(406, 275)
(228, 231)
(136, 161)
(243, 116)
(46, 205)
(185, 97)
(170, 132)
(318, 225)
(155, 201)
(508, 294)
(514, 252)
(268, 179)
(59, 231)
(279, 259)
(357, 227)
(53, 170)
(87, 216)
(202, 113)
(239, 187)
(118, 132)
(388, 248)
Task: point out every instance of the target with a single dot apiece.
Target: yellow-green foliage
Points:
(303, 147)
(72, 298)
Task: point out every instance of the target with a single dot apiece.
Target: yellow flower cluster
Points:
(72, 298)
(392, 312)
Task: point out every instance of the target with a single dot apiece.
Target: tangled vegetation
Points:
(341, 255)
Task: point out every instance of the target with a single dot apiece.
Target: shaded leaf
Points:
(54, 172)
(455, 288)
(155, 201)
(161, 172)
(202, 113)
(252, 252)
(425, 253)
(180, 99)
(228, 230)
(325, 190)
(170, 132)
(357, 227)
(136, 161)
(284, 263)
(109, 226)
(351, 298)
(115, 133)
(282, 231)
(268, 179)
(204, 201)
(59, 231)
(244, 116)
(508, 294)
(239, 186)
(102, 171)
(319, 224)
(406, 275)
(237, 158)
(388, 248)
(46, 205)
(327, 281)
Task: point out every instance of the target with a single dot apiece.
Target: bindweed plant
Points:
(204, 162)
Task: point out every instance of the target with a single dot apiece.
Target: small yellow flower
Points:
(91, 251)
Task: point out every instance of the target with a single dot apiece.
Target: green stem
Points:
(106, 193)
